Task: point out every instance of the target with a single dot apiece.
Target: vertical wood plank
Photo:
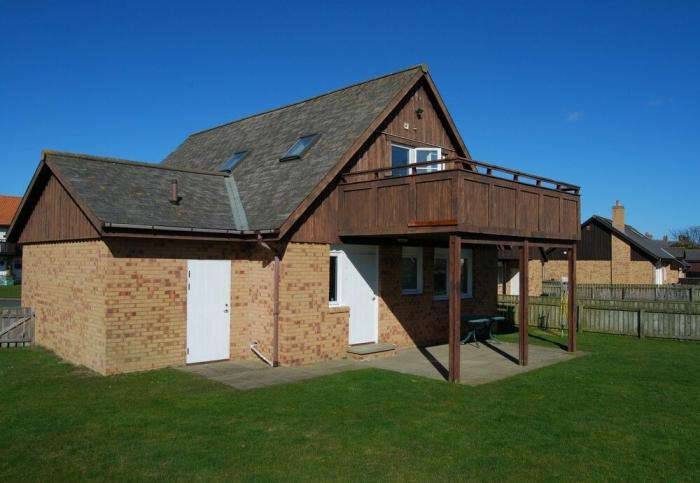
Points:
(454, 257)
(524, 304)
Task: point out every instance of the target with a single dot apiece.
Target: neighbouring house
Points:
(690, 256)
(10, 254)
(354, 217)
(609, 252)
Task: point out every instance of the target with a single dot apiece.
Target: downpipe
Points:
(275, 306)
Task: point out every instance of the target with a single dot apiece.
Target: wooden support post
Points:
(453, 270)
(572, 299)
(524, 305)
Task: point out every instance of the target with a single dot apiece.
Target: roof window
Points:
(300, 147)
(231, 163)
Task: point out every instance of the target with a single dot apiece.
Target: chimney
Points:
(618, 216)
(174, 196)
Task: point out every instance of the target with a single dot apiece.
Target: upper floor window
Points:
(441, 277)
(231, 163)
(402, 157)
(300, 147)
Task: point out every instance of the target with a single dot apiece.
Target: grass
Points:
(10, 291)
(626, 411)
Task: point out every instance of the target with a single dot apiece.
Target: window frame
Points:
(467, 254)
(289, 157)
(412, 159)
(418, 255)
(337, 254)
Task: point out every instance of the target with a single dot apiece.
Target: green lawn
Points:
(630, 410)
(10, 291)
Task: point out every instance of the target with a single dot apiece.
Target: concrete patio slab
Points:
(487, 363)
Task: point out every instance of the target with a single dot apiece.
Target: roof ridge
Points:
(423, 67)
(105, 159)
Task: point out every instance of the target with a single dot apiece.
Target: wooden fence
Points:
(16, 327)
(687, 293)
(641, 318)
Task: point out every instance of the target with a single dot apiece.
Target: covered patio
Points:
(478, 365)
(466, 204)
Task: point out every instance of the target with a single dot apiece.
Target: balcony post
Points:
(523, 301)
(453, 278)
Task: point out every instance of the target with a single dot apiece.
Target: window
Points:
(300, 147)
(400, 156)
(231, 163)
(440, 273)
(411, 270)
(403, 156)
(333, 281)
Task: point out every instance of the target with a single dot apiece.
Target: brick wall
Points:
(146, 300)
(64, 284)
(409, 320)
(310, 330)
(121, 305)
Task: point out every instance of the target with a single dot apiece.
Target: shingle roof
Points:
(270, 190)
(132, 193)
(692, 255)
(651, 247)
(8, 207)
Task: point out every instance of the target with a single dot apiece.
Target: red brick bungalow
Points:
(354, 217)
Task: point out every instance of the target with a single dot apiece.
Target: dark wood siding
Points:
(595, 244)
(455, 199)
(56, 217)
(320, 223)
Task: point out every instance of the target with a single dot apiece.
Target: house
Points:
(609, 252)
(10, 255)
(354, 217)
(690, 256)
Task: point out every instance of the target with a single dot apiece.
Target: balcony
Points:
(464, 196)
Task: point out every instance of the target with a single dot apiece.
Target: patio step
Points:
(369, 352)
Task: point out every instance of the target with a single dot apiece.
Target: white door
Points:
(208, 317)
(514, 281)
(359, 285)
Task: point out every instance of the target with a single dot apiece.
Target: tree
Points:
(687, 237)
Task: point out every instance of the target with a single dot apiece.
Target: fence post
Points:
(690, 294)
(640, 323)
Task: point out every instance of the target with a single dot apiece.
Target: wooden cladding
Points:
(56, 217)
(477, 203)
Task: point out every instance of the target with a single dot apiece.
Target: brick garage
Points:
(120, 305)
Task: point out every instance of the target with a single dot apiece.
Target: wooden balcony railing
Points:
(464, 195)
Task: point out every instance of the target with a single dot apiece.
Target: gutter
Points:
(131, 226)
(275, 304)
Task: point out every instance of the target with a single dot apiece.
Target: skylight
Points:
(300, 147)
(233, 161)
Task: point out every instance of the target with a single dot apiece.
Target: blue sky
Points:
(605, 95)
